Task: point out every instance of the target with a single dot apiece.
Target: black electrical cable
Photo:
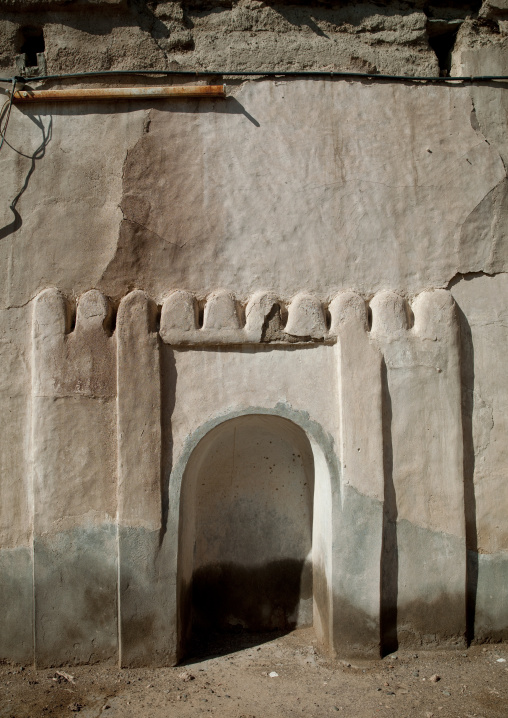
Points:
(8, 103)
(268, 73)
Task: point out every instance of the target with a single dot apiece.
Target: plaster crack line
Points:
(163, 239)
(475, 123)
(460, 276)
(24, 304)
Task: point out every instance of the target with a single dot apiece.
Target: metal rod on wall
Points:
(119, 93)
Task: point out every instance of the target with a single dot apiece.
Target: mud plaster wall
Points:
(289, 186)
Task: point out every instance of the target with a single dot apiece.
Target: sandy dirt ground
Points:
(270, 676)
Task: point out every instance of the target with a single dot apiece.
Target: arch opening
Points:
(245, 558)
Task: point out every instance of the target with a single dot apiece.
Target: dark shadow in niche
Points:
(226, 602)
(168, 378)
(37, 155)
(389, 549)
(233, 606)
(467, 387)
(31, 41)
(442, 43)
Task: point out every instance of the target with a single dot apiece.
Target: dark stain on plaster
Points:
(355, 633)
(355, 581)
(16, 600)
(166, 175)
(158, 193)
(145, 618)
(432, 622)
(491, 606)
(75, 591)
(137, 638)
(474, 120)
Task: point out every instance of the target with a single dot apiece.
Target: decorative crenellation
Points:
(424, 333)
(77, 360)
(431, 315)
(304, 320)
(224, 320)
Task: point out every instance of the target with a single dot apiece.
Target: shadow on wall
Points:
(390, 551)
(187, 105)
(168, 379)
(467, 384)
(39, 153)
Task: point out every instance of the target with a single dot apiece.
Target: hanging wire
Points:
(270, 73)
(6, 112)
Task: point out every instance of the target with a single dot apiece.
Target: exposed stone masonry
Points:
(407, 38)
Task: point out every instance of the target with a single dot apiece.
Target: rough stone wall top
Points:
(411, 38)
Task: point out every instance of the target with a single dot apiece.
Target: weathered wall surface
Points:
(225, 35)
(384, 37)
(359, 208)
(321, 180)
(483, 305)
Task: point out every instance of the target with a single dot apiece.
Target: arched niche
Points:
(255, 531)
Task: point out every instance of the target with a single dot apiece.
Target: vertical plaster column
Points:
(423, 403)
(74, 477)
(358, 525)
(147, 634)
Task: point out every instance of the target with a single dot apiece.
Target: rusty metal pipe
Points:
(119, 93)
